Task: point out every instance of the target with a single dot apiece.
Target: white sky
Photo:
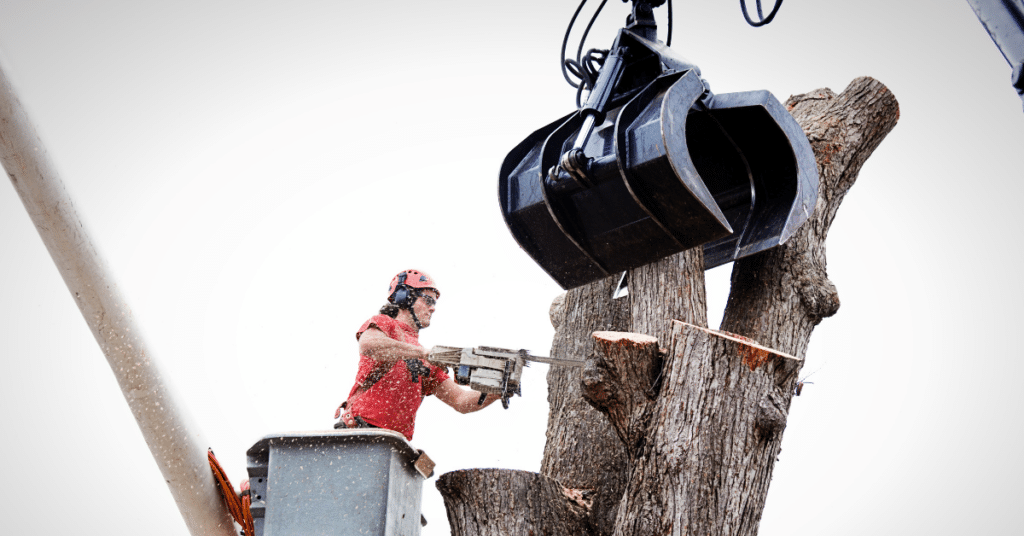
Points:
(255, 172)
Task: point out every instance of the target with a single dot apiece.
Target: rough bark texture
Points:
(499, 502)
(667, 290)
(582, 450)
(684, 441)
(702, 464)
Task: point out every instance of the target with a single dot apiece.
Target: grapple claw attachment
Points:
(671, 167)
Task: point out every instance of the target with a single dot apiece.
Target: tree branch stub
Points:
(620, 380)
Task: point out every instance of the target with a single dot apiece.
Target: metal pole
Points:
(174, 441)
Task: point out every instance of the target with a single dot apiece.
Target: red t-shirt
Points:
(385, 395)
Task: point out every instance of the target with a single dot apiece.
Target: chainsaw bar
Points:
(527, 356)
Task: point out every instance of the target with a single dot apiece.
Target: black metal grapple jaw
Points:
(654, 164)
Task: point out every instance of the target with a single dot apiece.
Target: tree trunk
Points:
(582, 450)
(513, 502)
(702, 446)
(674, 429)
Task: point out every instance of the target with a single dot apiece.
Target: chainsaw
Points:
(491, 370)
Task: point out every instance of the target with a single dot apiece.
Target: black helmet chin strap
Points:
(414, 319)
(412, 310)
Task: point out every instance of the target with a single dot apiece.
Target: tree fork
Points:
(699, 457)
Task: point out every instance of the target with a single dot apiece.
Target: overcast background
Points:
(254, 173)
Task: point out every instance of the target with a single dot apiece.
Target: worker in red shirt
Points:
(394, 371)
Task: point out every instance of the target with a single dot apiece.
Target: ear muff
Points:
(403, 297)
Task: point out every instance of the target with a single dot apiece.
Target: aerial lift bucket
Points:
(339, 483)
(668, 166)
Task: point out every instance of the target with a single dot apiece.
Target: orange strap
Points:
(237, 506)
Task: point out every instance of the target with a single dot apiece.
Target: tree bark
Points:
(689, 421)
(698, 461)
(582, 450)
(623, 384)
(500, 502)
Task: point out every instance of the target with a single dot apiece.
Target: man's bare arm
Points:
(373, 343)
(462, 399)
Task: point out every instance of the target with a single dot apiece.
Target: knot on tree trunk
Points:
(498, 502)
(817, 293)
(771, 414)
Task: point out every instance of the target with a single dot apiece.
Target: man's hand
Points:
(345, 415)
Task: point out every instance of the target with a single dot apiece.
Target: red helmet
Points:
(407, 281)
